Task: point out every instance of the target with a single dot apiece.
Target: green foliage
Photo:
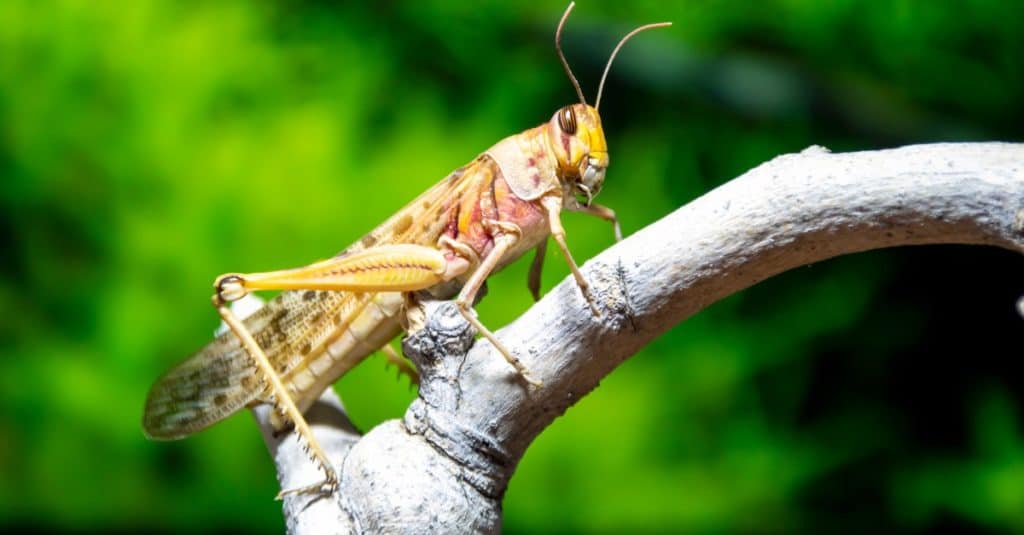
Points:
(146, 147)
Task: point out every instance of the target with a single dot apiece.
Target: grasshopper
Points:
(445, 244)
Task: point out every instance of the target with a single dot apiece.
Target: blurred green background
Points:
(146, 147)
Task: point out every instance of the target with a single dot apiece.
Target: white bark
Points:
(444, 467)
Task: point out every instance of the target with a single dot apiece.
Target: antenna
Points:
(561, 56)
(600, 88)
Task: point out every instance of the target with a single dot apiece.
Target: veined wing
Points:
(209, 386)
(296, 328)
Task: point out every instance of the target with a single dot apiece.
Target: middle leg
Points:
(505, 236)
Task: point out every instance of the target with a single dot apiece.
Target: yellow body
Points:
(313, 337)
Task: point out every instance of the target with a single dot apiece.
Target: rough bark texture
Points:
(444, 467)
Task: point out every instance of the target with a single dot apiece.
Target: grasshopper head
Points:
(575, 133)
(577, 140)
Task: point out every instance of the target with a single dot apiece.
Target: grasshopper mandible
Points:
(446, 243)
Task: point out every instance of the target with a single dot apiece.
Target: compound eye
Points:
(567, 120)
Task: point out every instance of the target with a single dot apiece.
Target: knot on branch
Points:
(482, 461)
(438, 348)
(437, 344)
(611, 287)
(437, 331)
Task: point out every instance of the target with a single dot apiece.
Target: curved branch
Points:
(445, 466)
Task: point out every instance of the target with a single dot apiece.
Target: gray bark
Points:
(444, 467)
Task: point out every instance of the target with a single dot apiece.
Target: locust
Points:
(444, 244)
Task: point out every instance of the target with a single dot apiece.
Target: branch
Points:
(445, 466)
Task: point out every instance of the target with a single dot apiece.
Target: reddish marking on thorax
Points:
(526, 214)
(532, 163)
(504, 205)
